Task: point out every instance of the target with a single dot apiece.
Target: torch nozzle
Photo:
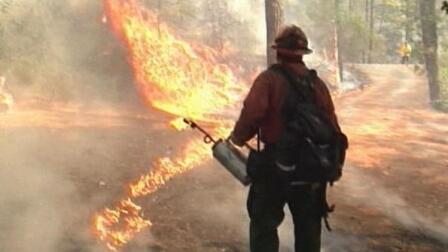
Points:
(207, 138)
(191, 123)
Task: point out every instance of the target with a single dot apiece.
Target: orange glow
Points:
(165, 169)
(117, 226)
(183, 79)
(180, 78)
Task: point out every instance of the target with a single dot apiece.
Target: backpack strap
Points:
(304, 89)
(299, 89)
(302, 86)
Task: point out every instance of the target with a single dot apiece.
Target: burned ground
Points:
(59, 170)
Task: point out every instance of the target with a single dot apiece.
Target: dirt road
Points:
(392, 196)
(398, 162)
(59, 167)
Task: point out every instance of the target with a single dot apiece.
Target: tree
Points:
(339, 60)
(430, 47)
(350, 5)
(274, 19)
(408, 23)
(371, 27)
(366, 15)
(220, 21)
(322, 25)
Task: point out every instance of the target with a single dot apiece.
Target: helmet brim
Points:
(294, 52)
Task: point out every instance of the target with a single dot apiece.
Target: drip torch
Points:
(226, 153)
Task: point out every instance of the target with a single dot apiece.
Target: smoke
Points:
(39, 203)
(252, 13)
(223, 205)
(61, 57)
(61, 50)
(53, 181)
(393, 206)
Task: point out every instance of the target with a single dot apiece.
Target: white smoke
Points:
(393, 206)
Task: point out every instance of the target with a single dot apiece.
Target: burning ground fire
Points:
(180, 78)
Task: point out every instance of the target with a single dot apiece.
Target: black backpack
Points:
(310, 148)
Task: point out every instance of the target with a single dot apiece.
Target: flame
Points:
(165, 169)
(117, 226)
(179, 124)
(183, 79)
(120, 225)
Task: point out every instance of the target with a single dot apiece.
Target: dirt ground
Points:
(392, 196)
(59, 167)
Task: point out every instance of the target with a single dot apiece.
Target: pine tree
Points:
(274, 20)
(429, 38)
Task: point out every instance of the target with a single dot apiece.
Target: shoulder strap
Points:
(303, 87)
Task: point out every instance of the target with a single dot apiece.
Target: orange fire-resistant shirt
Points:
(263, 105)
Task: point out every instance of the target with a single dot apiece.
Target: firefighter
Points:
(262, 113)
(405, 51)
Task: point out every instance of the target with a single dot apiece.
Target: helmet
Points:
(291, 40)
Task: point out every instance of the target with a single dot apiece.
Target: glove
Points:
(235, 140)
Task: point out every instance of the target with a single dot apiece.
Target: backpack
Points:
(310, 148)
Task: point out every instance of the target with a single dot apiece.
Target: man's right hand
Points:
(235, 140)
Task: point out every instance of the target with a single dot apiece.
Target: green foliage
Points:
(321, 20)
(392, 18)
(207, 21)
(354, 36)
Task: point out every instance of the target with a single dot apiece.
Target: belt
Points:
(313, 185)
(269, 148)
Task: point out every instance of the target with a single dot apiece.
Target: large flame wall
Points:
(180, 78)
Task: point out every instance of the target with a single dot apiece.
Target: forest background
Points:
(63, 50)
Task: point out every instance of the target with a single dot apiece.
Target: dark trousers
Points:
(405, 60)
(265, 206)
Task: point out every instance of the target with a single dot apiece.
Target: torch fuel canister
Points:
(232, 159)
(227, 154)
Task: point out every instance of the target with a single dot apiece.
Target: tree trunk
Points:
(367, 11)
(366, 17)
(274, 19)
(429, 39)
(408, 21)
(340, 65)
(371, 27)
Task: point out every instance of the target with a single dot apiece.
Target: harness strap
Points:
(304, 90)
(326, 208)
